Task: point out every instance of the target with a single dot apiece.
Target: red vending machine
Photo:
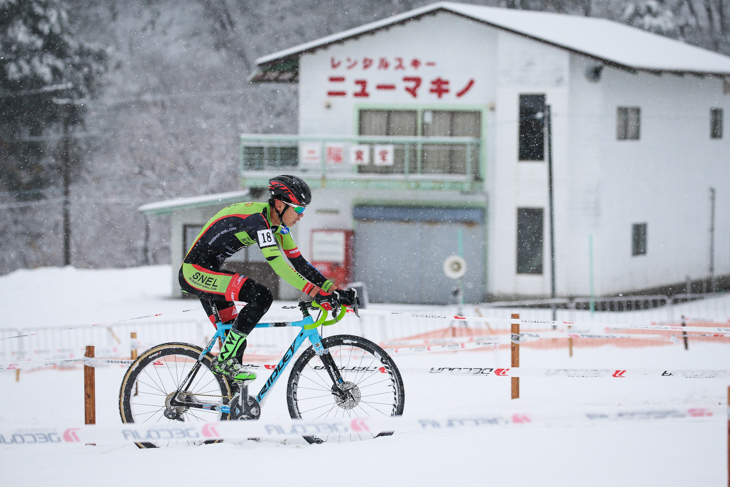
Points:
(332, 254)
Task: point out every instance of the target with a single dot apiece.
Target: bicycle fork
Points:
(339, 388)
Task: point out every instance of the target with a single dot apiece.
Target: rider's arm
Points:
(264, 236)
(301, 265)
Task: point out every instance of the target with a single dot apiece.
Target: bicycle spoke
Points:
(371, 387)
(148, 387)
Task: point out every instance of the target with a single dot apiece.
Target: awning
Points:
(171, 206)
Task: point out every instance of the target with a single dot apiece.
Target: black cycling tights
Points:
(258, 299)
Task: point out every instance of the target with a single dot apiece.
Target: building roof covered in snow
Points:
(606, 41)
(203, 201)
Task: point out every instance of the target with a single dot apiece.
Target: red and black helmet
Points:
(290, 189)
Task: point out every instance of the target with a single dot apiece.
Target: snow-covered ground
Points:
(681, 452)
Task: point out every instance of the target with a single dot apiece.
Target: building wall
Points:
(581, 211)
(462, 50)
(332, 209)
(663, 179)
(601, 185)
(525, 67)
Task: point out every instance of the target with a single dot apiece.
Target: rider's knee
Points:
(254, 292)
(266, 298)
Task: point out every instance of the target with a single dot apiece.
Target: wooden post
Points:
(515, 347)
(17, 375)
(133, 342)
(89, 389)
(570, 344)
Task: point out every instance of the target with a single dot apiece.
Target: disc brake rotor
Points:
(347, 396)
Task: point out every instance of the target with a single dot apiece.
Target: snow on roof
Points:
(610, 42)
(169, 206)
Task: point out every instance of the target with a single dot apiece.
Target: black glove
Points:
(348, 297)
(330, 302)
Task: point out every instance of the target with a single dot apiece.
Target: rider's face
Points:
(290, 217)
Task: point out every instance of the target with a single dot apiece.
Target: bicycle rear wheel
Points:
(373, 383)
(151, 380)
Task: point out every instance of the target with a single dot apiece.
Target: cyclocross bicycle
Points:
(340, 376)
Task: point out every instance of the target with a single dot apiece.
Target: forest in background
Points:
(168, 98)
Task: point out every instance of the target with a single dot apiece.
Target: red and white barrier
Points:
(717, 331)
(22, 436)
(583, 373)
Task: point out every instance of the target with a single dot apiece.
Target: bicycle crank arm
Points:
(243, 406)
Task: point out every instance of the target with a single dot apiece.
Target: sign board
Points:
(334, 153)
(328, 247)
(310, 153)
(384, 155)
(360, 154)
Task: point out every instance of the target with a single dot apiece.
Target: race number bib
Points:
(266, 238)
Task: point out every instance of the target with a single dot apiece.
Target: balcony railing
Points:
(416, 162)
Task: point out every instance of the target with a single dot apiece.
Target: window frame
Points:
(531, 129)
(527, 255)
(188, 238)
(417, 157)
(716, 123)
(639, 239)
(624, 121)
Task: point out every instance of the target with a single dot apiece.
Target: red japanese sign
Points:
(415, 84)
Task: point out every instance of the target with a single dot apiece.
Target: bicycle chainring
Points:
(238, 412)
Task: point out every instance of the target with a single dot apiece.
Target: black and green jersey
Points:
(242, 225)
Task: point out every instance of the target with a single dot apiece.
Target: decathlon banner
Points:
(582, 373)
(190, 433)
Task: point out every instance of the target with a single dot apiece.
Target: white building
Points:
(424, 134)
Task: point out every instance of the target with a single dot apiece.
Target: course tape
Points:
(450, 347)
(582, 373)
(400, 347)
(717, 331)
(98, 325)
(561, 325)
(357, 427)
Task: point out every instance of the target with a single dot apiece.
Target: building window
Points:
(716, 123)
(425, 158)
(190, 233)
(532, 123)
(450, 159)
(390, 122)
(638, 239)
(628, 122)
(529, 240)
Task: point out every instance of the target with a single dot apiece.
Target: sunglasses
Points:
(297, 209)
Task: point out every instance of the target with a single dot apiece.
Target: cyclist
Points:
(242, 225)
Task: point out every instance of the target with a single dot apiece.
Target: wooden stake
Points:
(89, 389)
(133, 336)
(570, 344)
(17, 375)
(515, 347)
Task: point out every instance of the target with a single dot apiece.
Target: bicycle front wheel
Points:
(151, 381)
(372, 383)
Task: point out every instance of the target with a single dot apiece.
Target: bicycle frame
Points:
(309, 332)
